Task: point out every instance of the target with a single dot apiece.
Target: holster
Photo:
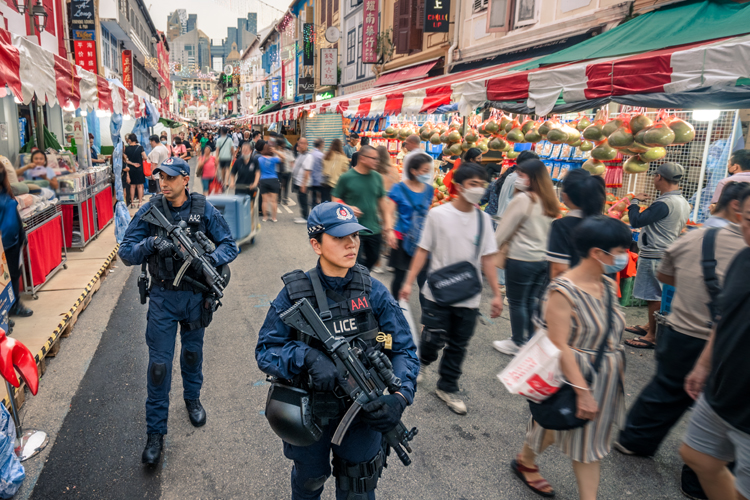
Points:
(208, 306)
(143, 282)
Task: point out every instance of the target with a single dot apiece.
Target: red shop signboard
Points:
(86, 54)
(370, 32)
(127, 69)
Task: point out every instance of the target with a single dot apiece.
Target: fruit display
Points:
(441, 193)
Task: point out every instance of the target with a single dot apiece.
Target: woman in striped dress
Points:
(576, 319)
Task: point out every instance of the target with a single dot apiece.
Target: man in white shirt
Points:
(158, 154)
(451, 236)
(302, 178)
(739, 168)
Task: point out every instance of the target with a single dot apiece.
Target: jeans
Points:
(663, 401)
(325, 193)
(316, 194)
(450, 329)
(312, 464)
(524, 282)
(369, 249)
(304, 209)
(284, 181)
(165, 310)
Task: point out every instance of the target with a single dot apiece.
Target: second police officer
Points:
(300, 361)
(171, 305)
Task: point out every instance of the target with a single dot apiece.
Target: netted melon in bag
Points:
(586, 146)
(492, 127)
(455, 149)
(483, 147)
(557, 135)
(527, 125)
(594, 166)
(583, 123)
(497, 144)
(511, 155)
(604, 152)
(683, 131)
(640, 122)
(573, 135)
(611, 126)
(593, 133)
(516, 135)
(454, 136)
(621, 138)
(533, 135)
(435, 139)
(635, 165)
(545, 127)
(425, 134)
(653, 154)
(659, 135)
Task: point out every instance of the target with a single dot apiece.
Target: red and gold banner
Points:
(127, 69)
(370, 32)
(86, 54)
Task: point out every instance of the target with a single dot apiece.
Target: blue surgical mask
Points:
(164, 141)
(426, 178)
(621, 260)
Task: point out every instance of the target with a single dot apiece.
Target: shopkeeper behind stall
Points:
(38, 170)
(94, 153)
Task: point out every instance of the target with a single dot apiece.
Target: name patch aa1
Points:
(359, 304)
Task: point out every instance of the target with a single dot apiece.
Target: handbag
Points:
(502, 252)
(558, 412)
(146, 168)
(457, 282)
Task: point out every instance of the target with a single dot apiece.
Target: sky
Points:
(215, 16)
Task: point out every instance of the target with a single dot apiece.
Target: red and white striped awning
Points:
(29, 70)
(713, 63)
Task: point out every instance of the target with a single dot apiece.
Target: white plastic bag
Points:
(410, 319)
(535, 371)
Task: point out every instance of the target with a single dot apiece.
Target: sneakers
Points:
(300, 220)
(152, 452)
(622, 449)
(453, 401)
(506, 347)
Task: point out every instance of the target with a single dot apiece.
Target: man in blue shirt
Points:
(169, 305)
(288, 355)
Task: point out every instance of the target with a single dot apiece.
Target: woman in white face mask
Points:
(576, 314)
(524, 228)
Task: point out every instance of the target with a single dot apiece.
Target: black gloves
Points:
(384, 413)
(322, 370)
(197, 265)
(163, 246)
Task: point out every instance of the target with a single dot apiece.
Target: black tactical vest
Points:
(351, 314)
(164, 269)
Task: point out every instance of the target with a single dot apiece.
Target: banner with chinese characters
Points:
(276, 89)
(329, 67)
(163, 61)
(436, 14)
(86, 54)
(127, 69)
(370, 32)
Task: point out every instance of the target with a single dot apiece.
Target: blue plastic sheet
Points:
(11, 470)
(122, 216)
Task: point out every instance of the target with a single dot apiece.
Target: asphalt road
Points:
(94, 409)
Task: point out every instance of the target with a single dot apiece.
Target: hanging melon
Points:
(635, 165)
(611, 126)
(659, 135)
(604, 152)
(492, 127)
(435, 139)
(527, 125)
(533, 135)
(516, 135)
(593, 133)
(586, 146)
(653, 154)
(583, 123)
(594, 166)
(556, 135)
(511, 155)
(683, 131)
(545, 127)
(621, 138)
(640, 122)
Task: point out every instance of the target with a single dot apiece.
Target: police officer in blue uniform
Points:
(169, 304)
(360, 308)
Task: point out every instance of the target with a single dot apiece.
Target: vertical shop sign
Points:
(127, 69)
(85, 54)
(276, 89)
(370, 33)
(308, 44)
(290, 89)
(436, 14)
(162, 55)
(329, 66)
(82, 15)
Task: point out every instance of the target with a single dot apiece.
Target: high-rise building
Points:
(177, 24)
(192, 22)
(238, 38)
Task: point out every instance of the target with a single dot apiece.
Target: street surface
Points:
(92, 402)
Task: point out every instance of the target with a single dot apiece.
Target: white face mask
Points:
(521, 184)
(472, 195)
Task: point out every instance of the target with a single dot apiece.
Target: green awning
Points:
(670, 26)
(169, 123)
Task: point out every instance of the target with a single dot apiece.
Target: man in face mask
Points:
(451, 236)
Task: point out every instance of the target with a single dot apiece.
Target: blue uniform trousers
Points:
(165, 310)
(312, 464)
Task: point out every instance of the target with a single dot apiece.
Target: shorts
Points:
(646, 286)
(206, 183)
(269, 186)
(225, 163)
(709, 434)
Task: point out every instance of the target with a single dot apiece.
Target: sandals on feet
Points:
(640, 343)
(637, 330)
(537, 486)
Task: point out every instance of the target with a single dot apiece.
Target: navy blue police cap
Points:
(335, 219)
(173, 167)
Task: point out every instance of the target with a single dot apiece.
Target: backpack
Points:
(221, 149)
(416, 224)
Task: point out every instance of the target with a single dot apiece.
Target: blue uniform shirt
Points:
(280, 355)
(136, 245)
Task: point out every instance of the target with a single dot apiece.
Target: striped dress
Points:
(592, 442)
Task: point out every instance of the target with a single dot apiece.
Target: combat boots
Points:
(196, 412)
(152, 452)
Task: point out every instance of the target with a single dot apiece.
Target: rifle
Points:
(369, 383)
(188, 251)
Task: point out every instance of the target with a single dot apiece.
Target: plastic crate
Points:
(626, 292)
(236, 210)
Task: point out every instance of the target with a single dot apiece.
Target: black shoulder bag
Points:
(558, 412)
(460, 281)
(711, 280)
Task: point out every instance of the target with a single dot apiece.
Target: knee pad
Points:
(358, 479)
(158, 372)
(315, 483)
(191, 357)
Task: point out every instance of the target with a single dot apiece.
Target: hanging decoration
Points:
(308, 44)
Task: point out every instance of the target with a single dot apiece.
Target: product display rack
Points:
(82, 205)
(33, 224)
